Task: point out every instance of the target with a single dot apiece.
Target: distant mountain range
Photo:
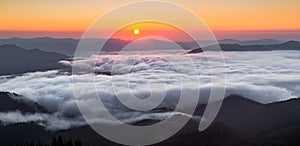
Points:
(63, 46)
(67, 46)
(17, 60)
(290, 45)
(239, 122)
(251, 42)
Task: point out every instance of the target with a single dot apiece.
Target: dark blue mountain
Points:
(16, 60)
(290, 45)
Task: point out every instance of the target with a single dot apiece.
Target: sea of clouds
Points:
(264, 77)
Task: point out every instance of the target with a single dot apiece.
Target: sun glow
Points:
(136, 31)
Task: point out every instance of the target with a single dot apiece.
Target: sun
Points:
(136, 31)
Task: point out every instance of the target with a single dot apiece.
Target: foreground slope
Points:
(239, 122)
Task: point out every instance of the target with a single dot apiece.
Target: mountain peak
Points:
(11, 102)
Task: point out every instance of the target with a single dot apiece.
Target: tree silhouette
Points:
(77, 142)
(59, 141)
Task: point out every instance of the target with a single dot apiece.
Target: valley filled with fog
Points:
(261, 76)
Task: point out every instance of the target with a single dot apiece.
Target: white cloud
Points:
(260, 76)
(50, 121)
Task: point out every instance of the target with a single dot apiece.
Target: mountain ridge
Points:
(67, 46)
(11, 102)
(17, 60)
(290, 45)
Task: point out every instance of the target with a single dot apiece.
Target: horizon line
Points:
(41, 37)
(220, 34)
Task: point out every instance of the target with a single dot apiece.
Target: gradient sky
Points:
(245, 19)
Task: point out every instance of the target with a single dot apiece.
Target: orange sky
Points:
(148, 29)
(68, 16)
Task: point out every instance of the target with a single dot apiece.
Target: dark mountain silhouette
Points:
(194, 51)
(10, 102)
(251, 42)
(16, 60)
(239, 122)
(291, 45)
(67, 46)
(64, 46)
(275, 123)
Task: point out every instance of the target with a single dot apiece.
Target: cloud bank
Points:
(264, 77)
